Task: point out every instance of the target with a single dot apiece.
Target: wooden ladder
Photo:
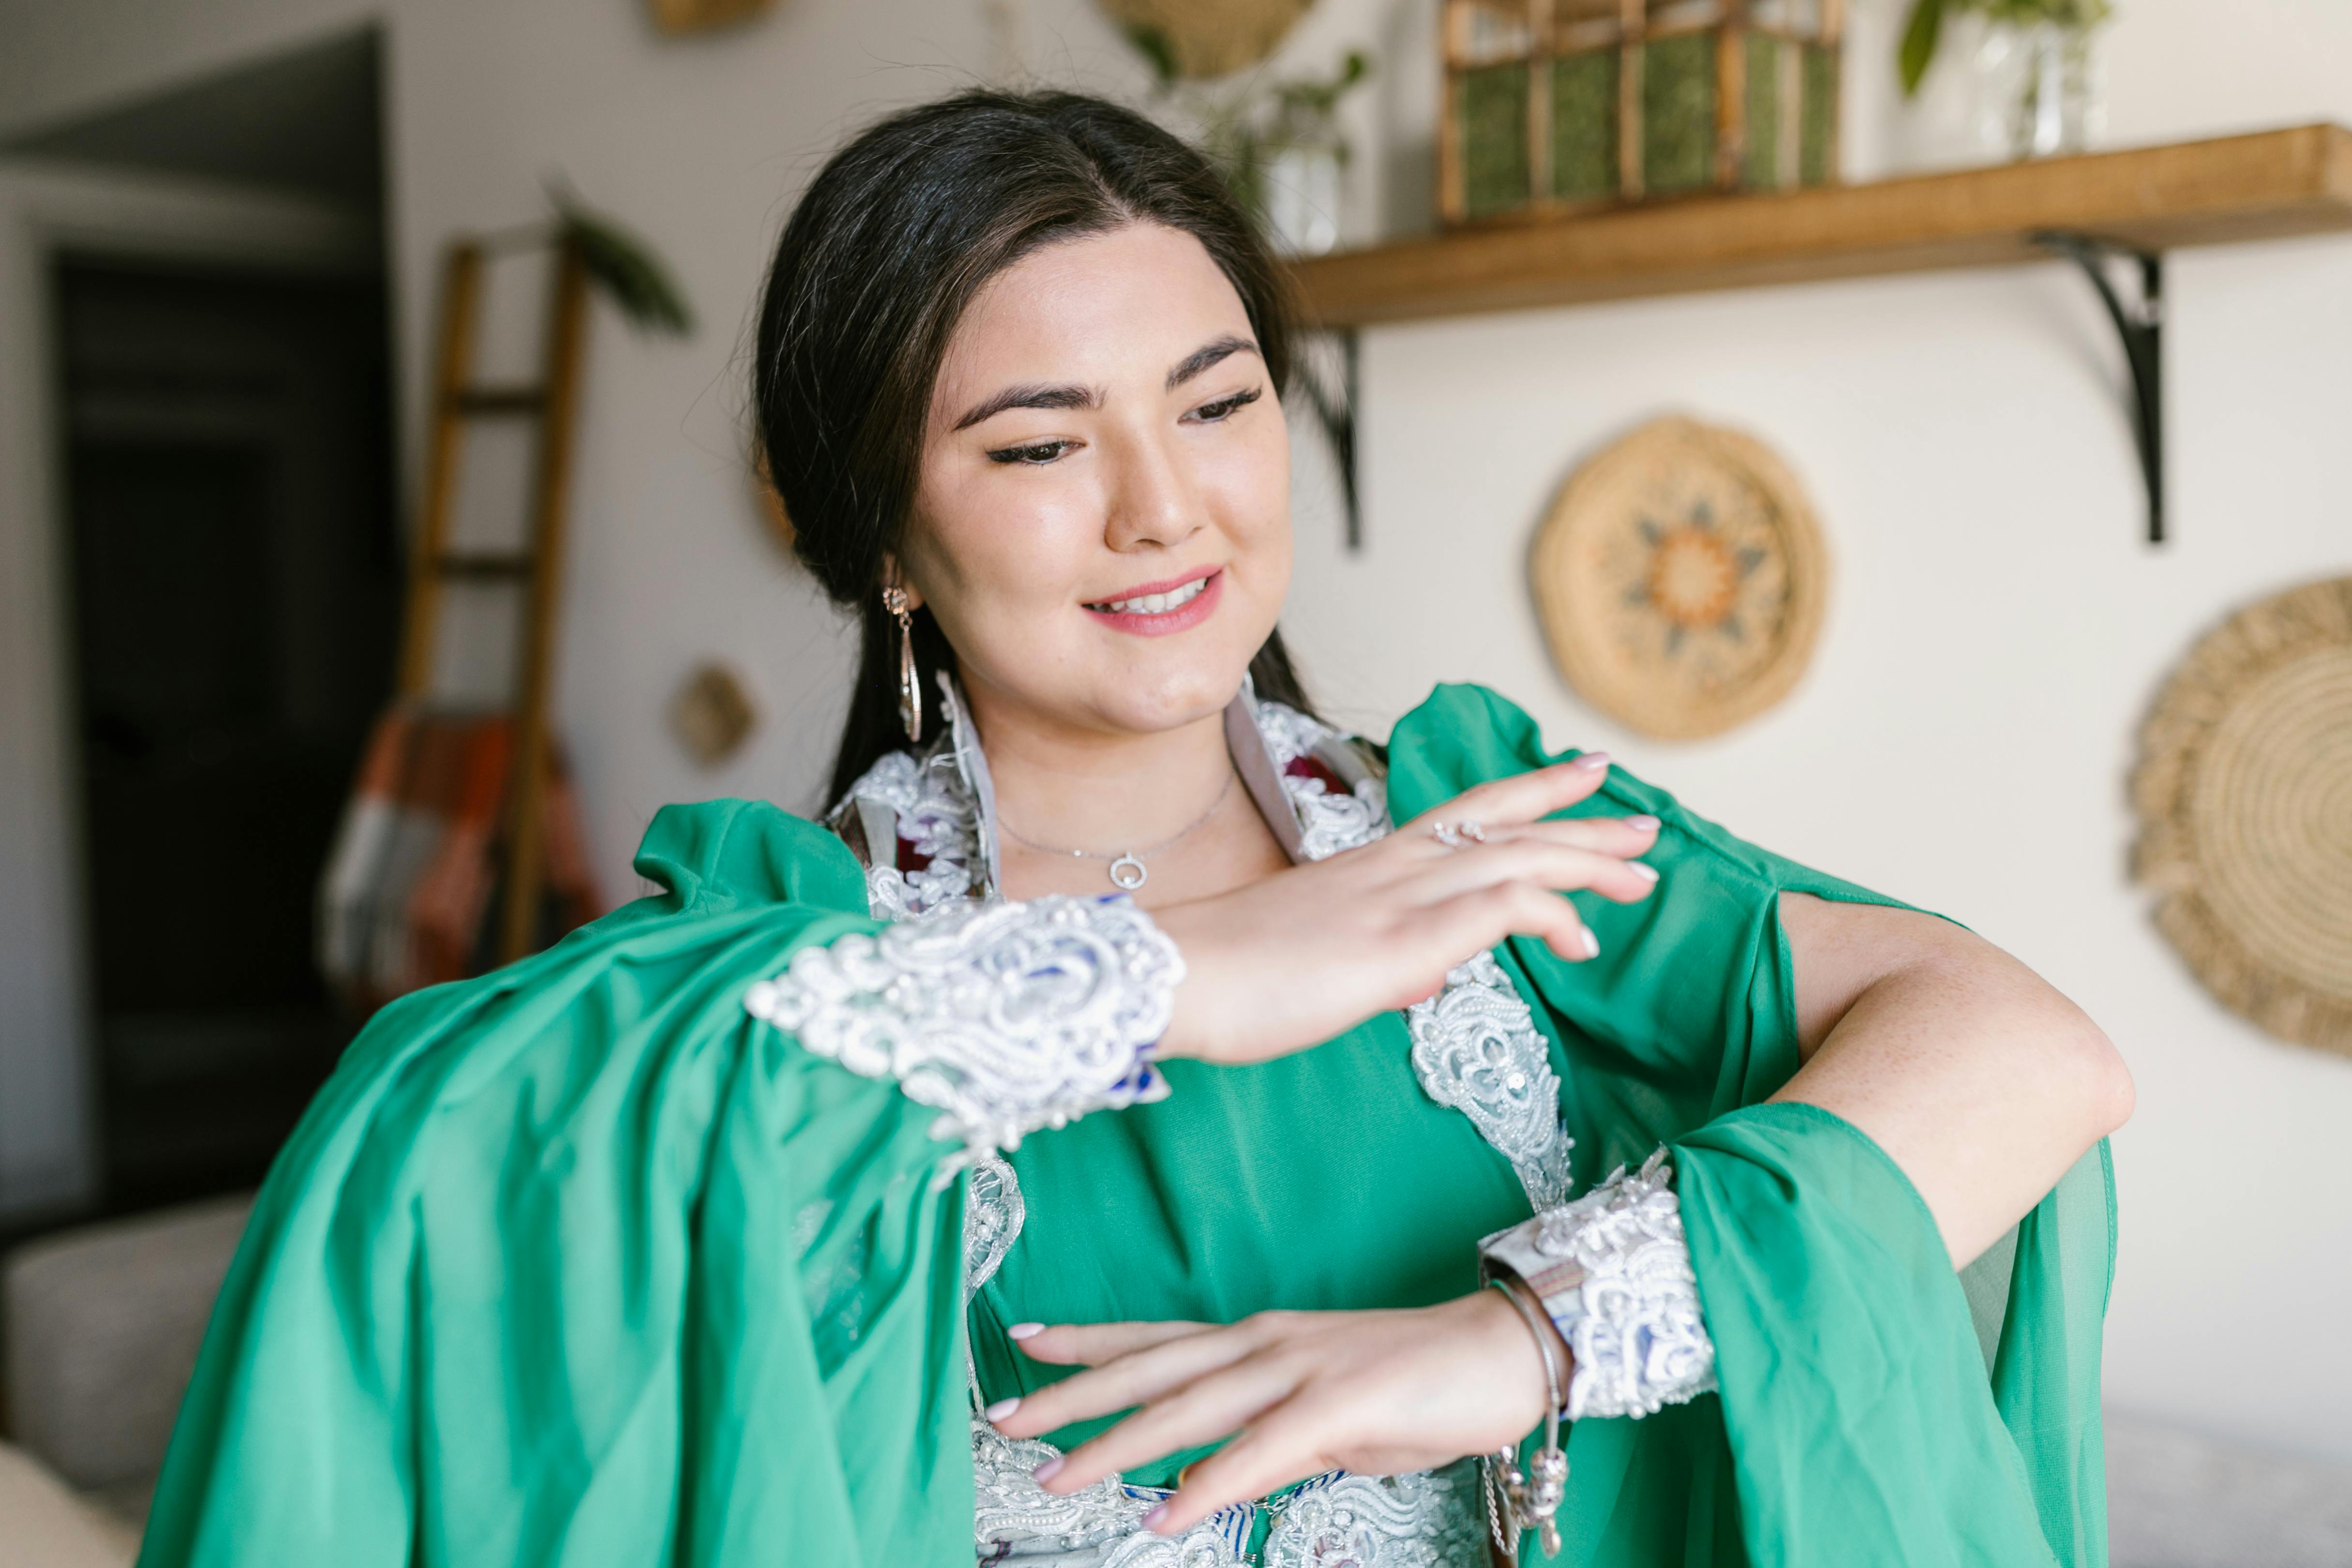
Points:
(538, 568)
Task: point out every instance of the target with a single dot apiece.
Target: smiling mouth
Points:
(1155, 604)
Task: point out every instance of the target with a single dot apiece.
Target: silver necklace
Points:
(1127, 869)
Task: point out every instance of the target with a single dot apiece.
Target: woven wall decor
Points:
(1211, 38)
(1681, 579)
(771, 506)
(2244, 794)
(701, 15)
(712, 714)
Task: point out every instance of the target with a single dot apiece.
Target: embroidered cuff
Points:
(1614, 1271)
(1003, 1017)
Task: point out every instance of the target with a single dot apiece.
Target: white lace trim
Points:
(993, 1213)
(1424, 1519)
(936, 815)
(1428, 1519)
(1005, 1018)
(1614, 1271)
(1476, 1048)
(1327, 823)
(1017, 1520)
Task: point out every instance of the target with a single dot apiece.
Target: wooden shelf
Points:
(2269, 185)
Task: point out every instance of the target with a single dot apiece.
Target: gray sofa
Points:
(99, 1330)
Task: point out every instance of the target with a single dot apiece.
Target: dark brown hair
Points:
(876, 266)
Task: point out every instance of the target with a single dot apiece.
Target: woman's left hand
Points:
(1378, 1392)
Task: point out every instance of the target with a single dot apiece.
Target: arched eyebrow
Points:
(1038, 394)
(1032, 394)
(1214, 352)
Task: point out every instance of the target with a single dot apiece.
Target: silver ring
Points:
(1457, 835)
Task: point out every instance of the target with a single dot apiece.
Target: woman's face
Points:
(1102, 520)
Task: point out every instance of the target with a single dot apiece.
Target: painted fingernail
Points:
(1647, 872)
(1002, 1408)
(1591, 761)
(1591, 944)
(1644, 823)
(1025, 1331)
(1046, 1471)
(1151, 1521)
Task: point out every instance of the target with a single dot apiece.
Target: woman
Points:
(761, 1221)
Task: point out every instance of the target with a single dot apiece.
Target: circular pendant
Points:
(1126, 873)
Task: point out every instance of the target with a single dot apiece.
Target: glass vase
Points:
(1302, 189)
(2042, 91)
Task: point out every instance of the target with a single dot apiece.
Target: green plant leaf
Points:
(1920, 35)
(624, 265)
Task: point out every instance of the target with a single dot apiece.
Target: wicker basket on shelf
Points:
(1556, 105)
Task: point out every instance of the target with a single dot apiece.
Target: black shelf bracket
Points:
(1335, 410)
(2140, 324)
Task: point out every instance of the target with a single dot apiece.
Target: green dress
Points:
(581, 1264)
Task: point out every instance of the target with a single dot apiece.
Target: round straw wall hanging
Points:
(1208, 38)
(1681, 579)
(2244, 794)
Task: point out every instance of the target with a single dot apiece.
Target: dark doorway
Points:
(236, 584)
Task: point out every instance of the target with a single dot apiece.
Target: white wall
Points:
(1997, 627)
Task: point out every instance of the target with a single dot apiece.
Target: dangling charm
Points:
(910, 686)
(1517, 1500)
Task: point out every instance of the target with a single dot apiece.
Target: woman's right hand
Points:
(1290, 960)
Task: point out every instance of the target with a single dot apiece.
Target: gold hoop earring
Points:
(910, 686)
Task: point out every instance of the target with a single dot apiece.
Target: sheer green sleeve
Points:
(1690, 1008)
(1864, 1421)
(1873, 1406)
(580, 1264)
